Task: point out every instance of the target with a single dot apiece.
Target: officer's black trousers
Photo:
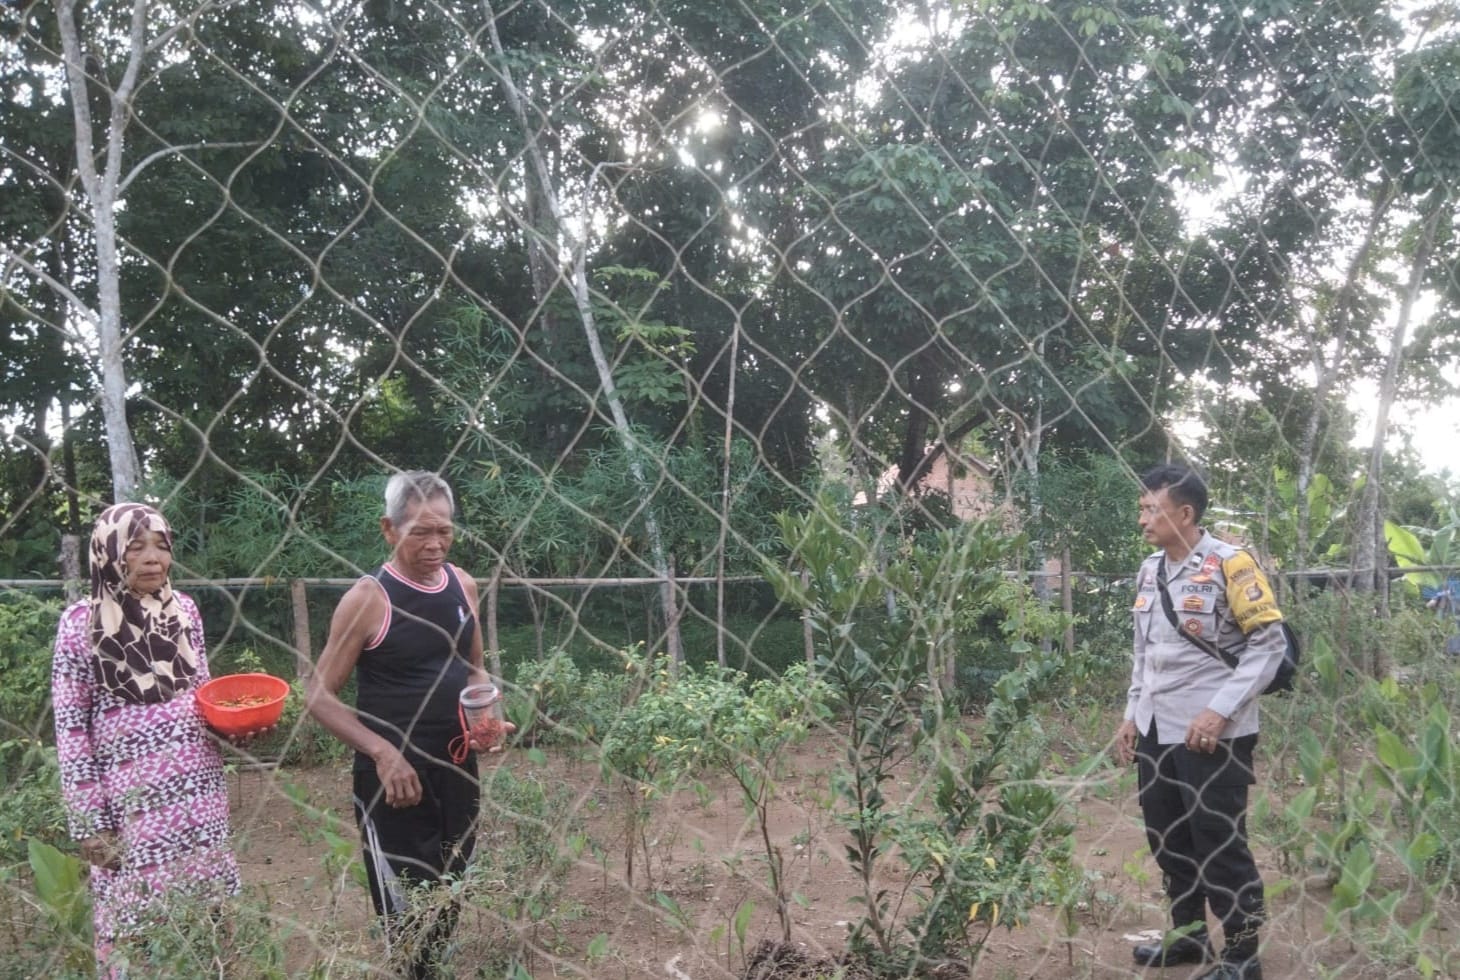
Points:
(1195, 807)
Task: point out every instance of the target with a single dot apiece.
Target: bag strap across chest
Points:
(1201, 643)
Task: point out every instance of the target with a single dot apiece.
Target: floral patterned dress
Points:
(150, 774)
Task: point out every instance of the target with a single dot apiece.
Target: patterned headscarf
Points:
(143, 655)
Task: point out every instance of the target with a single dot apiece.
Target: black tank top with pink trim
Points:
(410, 675)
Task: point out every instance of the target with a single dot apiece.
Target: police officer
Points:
(1191, 722)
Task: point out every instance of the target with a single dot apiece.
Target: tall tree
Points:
(103, 186)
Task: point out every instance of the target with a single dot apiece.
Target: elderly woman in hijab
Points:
(142, 779)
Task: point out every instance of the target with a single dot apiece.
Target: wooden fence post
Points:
(1067, 599)
(807, 636)
(71, 566)
(672, 640)
(494, 649)
(304, 657)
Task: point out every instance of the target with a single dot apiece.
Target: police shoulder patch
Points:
(1249, 595)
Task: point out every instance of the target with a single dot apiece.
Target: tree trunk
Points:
(1370, 567)
(1326, 370)
(725, 495)
(1033, 437)
(577, 248)
(537, 624)
(102, 189)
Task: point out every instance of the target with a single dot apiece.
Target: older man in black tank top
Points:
(410, 634)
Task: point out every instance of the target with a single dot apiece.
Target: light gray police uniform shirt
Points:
(1220, 593)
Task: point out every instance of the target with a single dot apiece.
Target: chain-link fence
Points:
(792, 365)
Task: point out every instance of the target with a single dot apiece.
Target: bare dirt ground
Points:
(704, 855)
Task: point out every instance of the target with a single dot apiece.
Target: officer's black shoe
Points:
(1196, 948)
(1240, 970)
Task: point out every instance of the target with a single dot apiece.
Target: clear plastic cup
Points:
(479, 702)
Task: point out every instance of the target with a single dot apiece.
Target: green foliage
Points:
(687, 723)
(1090, 509)
(1377, 766)
(299, 740)
(194, 936)
(564, 705)
(952, 605)
(984, 849)
(340, 853)
(649, 363)
(1419, 766)
(30, 798)
(1321, 825)
(529, 837)
(29, 553)
(590, 517)
(60, 885)
(1327, 516)
(1413, 769)
(1407, 546)
(187, 936)
(762, 644)
(276, 525)
(1011, 625)
(27, 633)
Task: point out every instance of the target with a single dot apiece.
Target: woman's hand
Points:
(242, 739)
(103, 850)
(238, 740)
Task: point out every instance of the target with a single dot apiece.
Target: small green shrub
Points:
(562, 704)
(759, 645)
(60, 885)
(195, 937)
(989, 841)
(299, 740)
(692, 722)
(30, 805)
(511, 894)
(27, 636)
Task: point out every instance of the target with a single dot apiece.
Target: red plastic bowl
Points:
(241, 720)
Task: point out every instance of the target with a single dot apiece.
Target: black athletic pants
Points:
(408, 847)
(1195, 807)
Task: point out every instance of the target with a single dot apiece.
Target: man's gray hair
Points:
(412, 488)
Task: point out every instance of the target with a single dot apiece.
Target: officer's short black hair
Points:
(1181, 483)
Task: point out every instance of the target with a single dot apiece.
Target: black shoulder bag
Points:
(1283, 681)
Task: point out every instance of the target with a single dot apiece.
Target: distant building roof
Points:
(970, 494)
